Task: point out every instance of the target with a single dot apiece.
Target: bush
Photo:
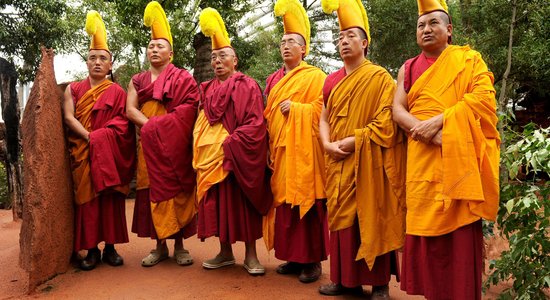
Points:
(524, 216)
(4, 200)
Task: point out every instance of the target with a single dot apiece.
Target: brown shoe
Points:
(289, 268)
(310, 273)
(336, 289)
(381, 292)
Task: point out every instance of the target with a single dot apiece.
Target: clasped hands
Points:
(428, 131)
(338, 150)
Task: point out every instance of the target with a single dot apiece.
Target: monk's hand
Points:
(285, 107)
(347, 144)
(425, 130)
(334, 151)
(436, 140)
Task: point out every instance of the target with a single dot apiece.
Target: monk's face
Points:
(159, 52)
(292, 48)
(224, 62)
(433, 31)
(99, 63)
(352, 43)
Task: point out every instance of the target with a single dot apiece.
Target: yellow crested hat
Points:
(212, 26)
(428, 6)
(295, 19)
(351, 13)
(155, 18)
(96, 28)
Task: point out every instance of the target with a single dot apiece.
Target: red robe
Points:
(112, 162)
(344, 244)
(167, 144)
(447, 266)
(233, 208)
(298, 240)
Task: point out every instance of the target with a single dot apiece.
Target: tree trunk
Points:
(502, 101)
(202, 68)
(10, 114)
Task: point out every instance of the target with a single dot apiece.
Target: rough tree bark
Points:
(11, 116)
(203, 48)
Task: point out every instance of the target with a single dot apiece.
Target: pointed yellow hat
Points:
(295, 19)
(351, 13)
(428, 6)
(212, 26)
(155, 18)
(96, 28)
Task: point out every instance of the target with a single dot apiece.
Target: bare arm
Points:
(132, 107)
(69, 116)
(331, 148)
(427, 131)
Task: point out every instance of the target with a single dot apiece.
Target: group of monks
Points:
(381, 166)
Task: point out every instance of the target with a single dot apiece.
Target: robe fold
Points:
(231, 160)
(297, 162)
(369, 184)
(455, 184)
(104, 166)
(165, 151)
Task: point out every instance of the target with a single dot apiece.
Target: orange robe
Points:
(455, 184)
(369, 184)
(296, 156)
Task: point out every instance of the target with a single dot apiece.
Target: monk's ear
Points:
(235, 61)
(449, 29)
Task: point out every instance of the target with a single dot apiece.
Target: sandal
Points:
(254, 268)
(154, 258)
(183, 258)
(218, 262)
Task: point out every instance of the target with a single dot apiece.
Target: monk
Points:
(101, 144)
(297, 225)
(162, 102)
(445, 101)
(230, 154)
(364, 157)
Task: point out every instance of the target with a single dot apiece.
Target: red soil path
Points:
(165, 281)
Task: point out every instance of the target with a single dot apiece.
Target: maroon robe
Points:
(344, 244)
(233, 208)
(299, 240)
(112, 163)
(447, 266)
(167, 144)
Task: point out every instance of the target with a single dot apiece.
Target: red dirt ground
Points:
(166, 280)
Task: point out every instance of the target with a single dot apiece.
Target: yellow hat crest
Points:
(428, 6)
(212, 26)
(295, 19)
(96, 28)
(155, 18)
(351, 13)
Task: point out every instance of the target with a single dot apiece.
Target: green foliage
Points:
(4, 200)
(26, 25)
(524, 216)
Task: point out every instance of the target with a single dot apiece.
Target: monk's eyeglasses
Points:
(222, 56)
(101, 58)
(289, 42)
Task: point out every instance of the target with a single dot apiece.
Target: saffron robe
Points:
(455, 184)
(296, 157)
(231, 160)
(165, 150)
(369, 184)
(296, 227)
(103, 167)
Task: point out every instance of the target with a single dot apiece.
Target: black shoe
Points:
(111, 257)
(381, 292)
(310, 273)
(333, 289)
(289, 268)
(93, 258)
